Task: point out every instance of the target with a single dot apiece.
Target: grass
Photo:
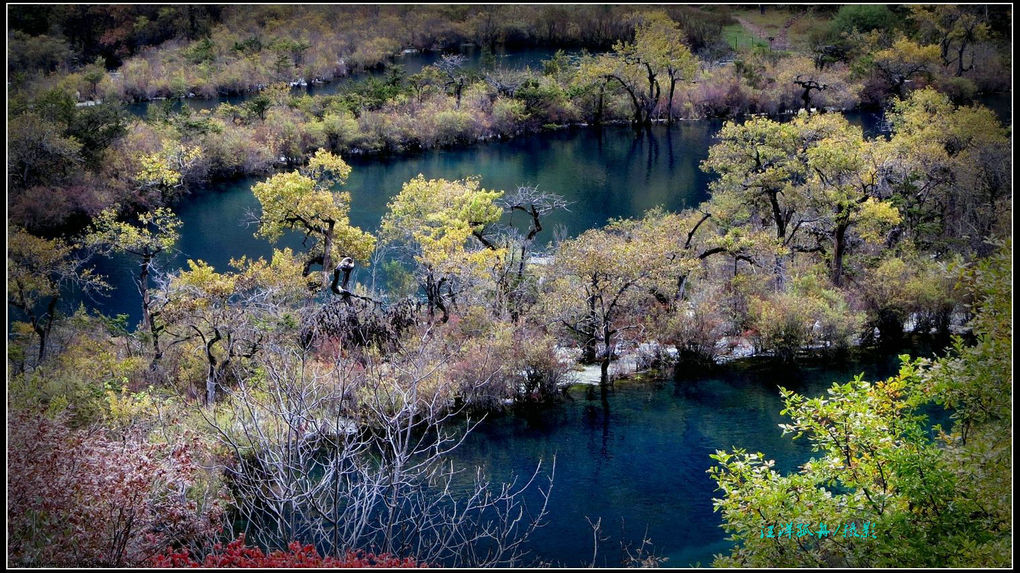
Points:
(774, 20)
(739, 38)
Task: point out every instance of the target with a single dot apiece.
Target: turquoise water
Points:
(604, 174)
(638, 460)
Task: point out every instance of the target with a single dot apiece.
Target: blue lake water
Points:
(637, 460)
(604, 174)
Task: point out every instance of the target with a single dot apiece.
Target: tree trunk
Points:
(777, 214)
(590, 351)
(654, 91)
(599, 108)
(669, 103)
(327, 253)
(838, 251)
(148, 316)
(607, 356)
(43, 325)
(210, 379)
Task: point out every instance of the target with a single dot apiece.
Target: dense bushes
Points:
(928, 497)
(236, 554)
(83, 498)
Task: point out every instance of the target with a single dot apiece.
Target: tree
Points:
(594, 71)
(632, 71)
(452, 65)
(925, 503)
(437, 221)
(904, 61)
(949, 168)
(845, 180)
(40, 153)
(535, 204)
(155, 232)
(812, 180)
(164, 171)
(660, 41)
(425, 81)
(657, 50)
(952, 27)
(598, 277)
(38, 272)
(761, 175)
(93, 74)
(303, 201)
(232, 313)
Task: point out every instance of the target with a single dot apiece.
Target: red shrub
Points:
(236, 554)
(80, 498)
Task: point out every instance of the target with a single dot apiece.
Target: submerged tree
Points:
(637, 67)
(598, 279)
(660, 42)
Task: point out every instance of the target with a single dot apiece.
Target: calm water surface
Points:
(604, 174)
(638, 461)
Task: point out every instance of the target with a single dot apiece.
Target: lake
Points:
(603, 173)
(638, 460)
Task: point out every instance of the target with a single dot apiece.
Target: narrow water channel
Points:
(603, 173)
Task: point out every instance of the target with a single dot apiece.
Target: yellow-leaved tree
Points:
(441, 224)
(304, 201)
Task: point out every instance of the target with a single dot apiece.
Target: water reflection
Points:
(637, 456)
(604, 173)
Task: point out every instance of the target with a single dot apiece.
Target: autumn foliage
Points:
(237, 554)
(83, 498)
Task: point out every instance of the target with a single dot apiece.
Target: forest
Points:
(392, 377)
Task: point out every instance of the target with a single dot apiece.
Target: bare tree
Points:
(355, 455)
(506, 81)
(453, 66)
(535, 204)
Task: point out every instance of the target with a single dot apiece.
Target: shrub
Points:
(863, 18)
(82, 498)
(237, 554)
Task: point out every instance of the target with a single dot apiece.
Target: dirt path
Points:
(779, 41)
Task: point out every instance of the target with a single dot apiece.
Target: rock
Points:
(589, 375)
